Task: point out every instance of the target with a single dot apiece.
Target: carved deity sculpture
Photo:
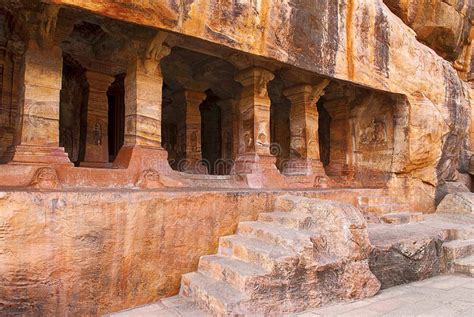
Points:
(97, 134)
(374, 134)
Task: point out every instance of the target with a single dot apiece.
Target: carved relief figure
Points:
(297, 143)
(194, 142)
(45, 178)
(97, 138)
(248, 135)
(262, 139)
(149, 179)
(374, 134)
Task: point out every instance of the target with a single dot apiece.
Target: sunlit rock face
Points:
(443, 25)
(392, 82)
(383, 45)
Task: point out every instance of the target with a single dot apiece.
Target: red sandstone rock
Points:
(81, 78)
(312, 253)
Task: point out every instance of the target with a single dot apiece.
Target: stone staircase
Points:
(458, 256)
(309, 253)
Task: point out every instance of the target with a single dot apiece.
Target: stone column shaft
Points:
(193, 124)
(38, 138)
(142, 147)
(97, 145)
(304, 143)
(143, 94)
(254, 122)
(188, 101)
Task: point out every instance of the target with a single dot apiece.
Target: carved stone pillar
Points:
(11, 60)
(97, 144)
(143, 96)
(341, 136)
(254, 122)
(304, 140)
(188, 101)
(37, 141)
(227, 129)
(227, 135)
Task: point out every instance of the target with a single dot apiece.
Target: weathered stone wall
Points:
(88, 253)
(444, 25)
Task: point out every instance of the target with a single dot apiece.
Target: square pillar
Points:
(304, 139)
(189, 101)
(254, 123)
(143, 95)
(143, 109)
(37, 141)
(97, 144)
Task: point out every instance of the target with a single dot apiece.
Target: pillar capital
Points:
(255, 76)
(45, 31)
(155, 50)
(310, 92)
(193, 97)
(99, 81)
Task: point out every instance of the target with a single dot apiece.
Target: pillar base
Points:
(307, 167)
(38, 155)
(143, 158)
(254, 164)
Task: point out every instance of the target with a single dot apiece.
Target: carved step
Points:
(380, 204)
(233, 271)
(402, 217)
(292, 220)
(254, 250)
(209, 294)
(457, 249)
(276, 234)
(387, 208)
(464, 266)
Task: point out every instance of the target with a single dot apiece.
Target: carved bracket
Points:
(155, 51)
(48, 19)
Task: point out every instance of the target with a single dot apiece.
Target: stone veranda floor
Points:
(444, 295)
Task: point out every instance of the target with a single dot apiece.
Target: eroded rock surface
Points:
(444, 25)
(458, 203)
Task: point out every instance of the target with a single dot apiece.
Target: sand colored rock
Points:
(135, 134)
(458, 203)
